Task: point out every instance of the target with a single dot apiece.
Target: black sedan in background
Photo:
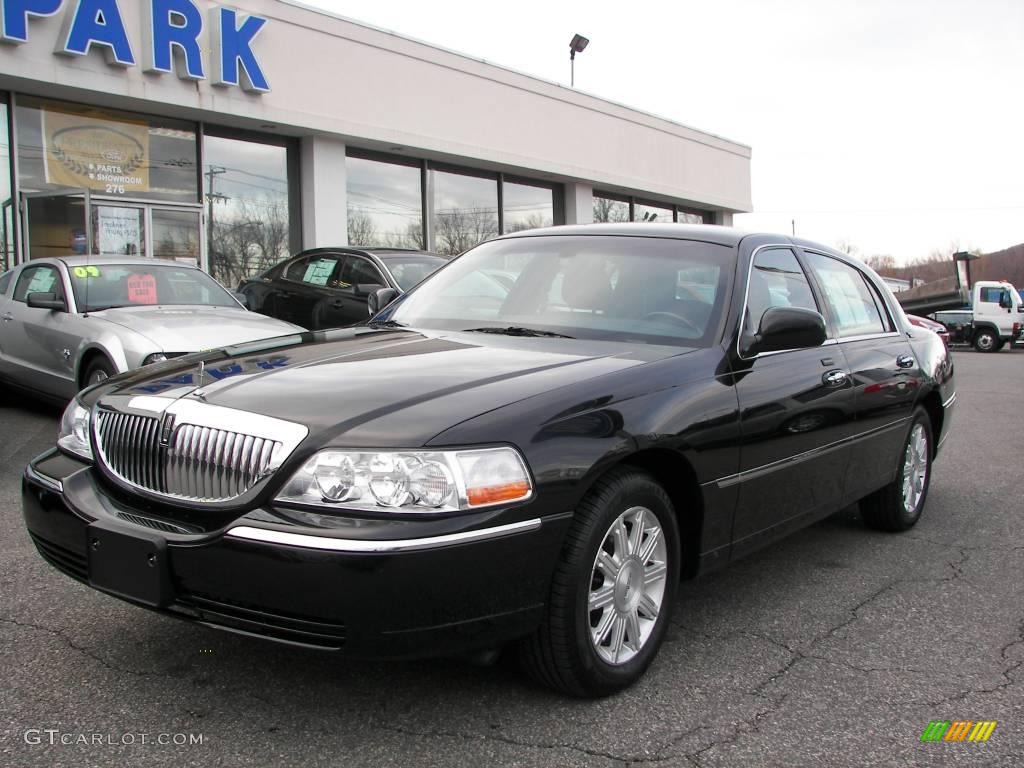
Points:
(481, 465)
(328, 287)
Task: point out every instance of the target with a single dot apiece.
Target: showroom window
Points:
(112, 153)
(465, 211)
(385, 203)
(610, 209)
(526, 206)
(248, 191)
(652, 214)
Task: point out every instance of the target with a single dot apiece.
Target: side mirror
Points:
(242, 298)
(46, 301)
(786, 328)
(379, 299)
(365, 289)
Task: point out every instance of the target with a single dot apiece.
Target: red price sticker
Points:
(142, 289)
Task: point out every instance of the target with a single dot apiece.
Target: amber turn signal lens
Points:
(495, 493)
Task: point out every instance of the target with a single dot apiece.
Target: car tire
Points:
(898, 506)
(100, 369)
(622, 555)
(986, 340)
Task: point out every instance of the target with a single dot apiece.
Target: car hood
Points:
(366, 387)
(193, 329)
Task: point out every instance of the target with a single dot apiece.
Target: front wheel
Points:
(898, 506)
(612, 591)
(100, 369)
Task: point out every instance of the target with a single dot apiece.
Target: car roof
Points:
(75, 261)
(706, 232)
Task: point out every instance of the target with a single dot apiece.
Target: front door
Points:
(796, 415)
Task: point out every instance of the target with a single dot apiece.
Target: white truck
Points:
(994, 319)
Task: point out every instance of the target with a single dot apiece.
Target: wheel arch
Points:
(676, 475)
(932, 404)
(86, 359)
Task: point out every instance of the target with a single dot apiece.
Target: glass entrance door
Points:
(56, 223)
(119, 230)
(73, 222)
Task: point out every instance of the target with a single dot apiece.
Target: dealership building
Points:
(235, 135)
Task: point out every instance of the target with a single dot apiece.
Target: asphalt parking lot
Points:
(836, 646)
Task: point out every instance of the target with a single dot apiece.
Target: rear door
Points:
(886, 375)
(796, 414)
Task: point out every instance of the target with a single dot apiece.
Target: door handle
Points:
(904, 361)
(835, 378)
(7, 316)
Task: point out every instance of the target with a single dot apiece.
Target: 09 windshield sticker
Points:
(86, 272)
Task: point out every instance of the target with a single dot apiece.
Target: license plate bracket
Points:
(133, 565)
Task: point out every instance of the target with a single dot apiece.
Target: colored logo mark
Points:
(958, 730)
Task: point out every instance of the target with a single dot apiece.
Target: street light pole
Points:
(576, 45)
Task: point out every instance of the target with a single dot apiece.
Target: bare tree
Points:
(606, 210)
(460, 230)
(533, 221)
(361, 229)
(254, 239)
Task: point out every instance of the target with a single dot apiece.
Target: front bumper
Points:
(400, 591)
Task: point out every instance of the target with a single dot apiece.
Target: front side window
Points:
(41, 279)
(361, 272)
(776, 280)
(854, 305)
(107, 286)
(653, 290)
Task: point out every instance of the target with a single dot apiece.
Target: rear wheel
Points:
(612, 590)
(898, 506)
(986, 340)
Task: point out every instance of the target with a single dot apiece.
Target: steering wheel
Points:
(672, 316)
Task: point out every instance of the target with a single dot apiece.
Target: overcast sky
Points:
(895, 125)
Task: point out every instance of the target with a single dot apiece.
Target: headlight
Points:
(410, 481)
(156, 357)
(74, 431)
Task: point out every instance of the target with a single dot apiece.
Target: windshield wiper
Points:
(106, 306)
(515, 330)
(386, 324)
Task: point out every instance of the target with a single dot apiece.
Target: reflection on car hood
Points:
(192, 328)
(389, 387)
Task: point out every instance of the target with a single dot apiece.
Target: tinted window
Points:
(410, 271)
(104, 286)
(5, 280)
(361, 272)
(852, 302)
(776, 280)
(992, 294)
(297, 269)
(41, 279)
(657, 290)
(318, 271)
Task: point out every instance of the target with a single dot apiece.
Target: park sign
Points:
(170, 37)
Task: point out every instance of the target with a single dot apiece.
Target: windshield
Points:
(655, 290)
(106, 286)
(410, 270)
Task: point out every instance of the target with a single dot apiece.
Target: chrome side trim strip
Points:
(364, 546)
(949, 401)
(43, 480)
(764, 469)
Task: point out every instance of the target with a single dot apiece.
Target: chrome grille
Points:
(199, 462)
(214, 464)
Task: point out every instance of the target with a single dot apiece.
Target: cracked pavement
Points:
(834, 647)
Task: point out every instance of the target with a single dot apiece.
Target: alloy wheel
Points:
(627, 585)
(915, 468)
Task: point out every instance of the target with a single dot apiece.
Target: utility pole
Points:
(211, 174)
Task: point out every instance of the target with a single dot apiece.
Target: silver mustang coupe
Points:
(69, 322)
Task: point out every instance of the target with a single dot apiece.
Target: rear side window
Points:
(776, 280)
(855, 305)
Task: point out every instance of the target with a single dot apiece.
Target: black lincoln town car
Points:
(533, 461)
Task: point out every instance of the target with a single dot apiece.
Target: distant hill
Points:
(1007, 264)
